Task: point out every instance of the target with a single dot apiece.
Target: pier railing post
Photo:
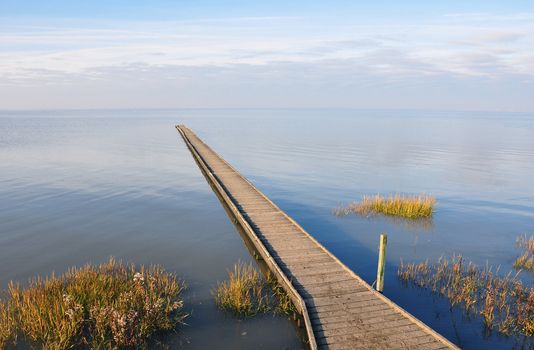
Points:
(381, 262)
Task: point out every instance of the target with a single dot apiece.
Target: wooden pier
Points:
(339, 309)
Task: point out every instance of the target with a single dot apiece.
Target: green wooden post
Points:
(381, 262)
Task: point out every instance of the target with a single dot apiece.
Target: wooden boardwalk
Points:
(339, 309)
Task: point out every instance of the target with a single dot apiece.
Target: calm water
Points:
(78, 187)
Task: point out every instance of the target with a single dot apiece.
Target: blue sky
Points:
(463, 55)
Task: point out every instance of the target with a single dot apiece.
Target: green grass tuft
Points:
(244, 291)
(411, 207)
(247, 293)
(111, 305)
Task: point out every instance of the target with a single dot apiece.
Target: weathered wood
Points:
(381, 262)
(303, 259)
(348, 320)
(339, 309)
(356, 308)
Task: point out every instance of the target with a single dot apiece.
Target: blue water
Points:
(80, 186)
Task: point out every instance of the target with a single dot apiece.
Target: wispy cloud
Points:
(259, 50)
(266, 40)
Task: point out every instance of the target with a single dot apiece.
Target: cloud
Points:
(491, 17)
(265, 54)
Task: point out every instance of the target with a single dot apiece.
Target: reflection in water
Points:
(80, 190)
(412, 226)
(81, 186)
(406, 224)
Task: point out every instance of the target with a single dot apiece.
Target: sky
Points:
(438, 55)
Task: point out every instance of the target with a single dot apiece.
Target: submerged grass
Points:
(111, 305)
(504, 302)
(247, 293)
(280, 299)
(526, 260)
(244, 291)
(406, 206)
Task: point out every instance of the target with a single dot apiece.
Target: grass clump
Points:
(504, 302)
(405, 206)
(526, 260)
(243, 293)
(7, 324)
(247, 292)
(111, 305)
(280, 299)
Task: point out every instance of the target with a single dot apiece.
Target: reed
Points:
(111, 305)
(247, 293)
(244, 291)
(526, 260)
(282, 301)
(526, 243)
(8, 326)
(504, 302)
(405, 206)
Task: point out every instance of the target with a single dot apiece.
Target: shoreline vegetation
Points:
(404, 206)
(526, 260)
(247, 293)
(111, 305)
(504, 302)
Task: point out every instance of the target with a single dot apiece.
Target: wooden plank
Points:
(318, 267)
(370, 341)
(294, 271)
(287, 239)
(339, 300)
(281, 251)
(372, 313)
(356, 305)
(326, 289)
(359, 325)
(293, 260)
(319, 280)
(254, 206)
(290, 246)
(290, 258)
(365, 313)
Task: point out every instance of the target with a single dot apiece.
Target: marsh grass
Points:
(405, 206)
(504, 303)
(111, 305)
(244, 291)
(7, 324)
(526, 260)
(247, 292)
(280, 299)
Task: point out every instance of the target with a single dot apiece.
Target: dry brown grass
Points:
(525, 242)
(406, 206)
(282, 301)
(7, 324)
(526, 260)
(111, 305)
(244, 291)
(504, 302)
(247, 293)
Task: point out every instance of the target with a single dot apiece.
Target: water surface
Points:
(81, 186)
